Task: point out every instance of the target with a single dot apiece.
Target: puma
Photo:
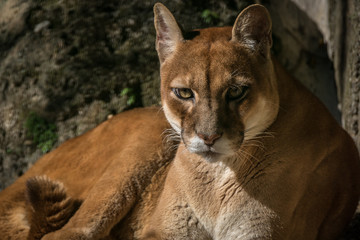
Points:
(252, 154)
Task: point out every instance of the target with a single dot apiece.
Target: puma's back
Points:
(82, 178)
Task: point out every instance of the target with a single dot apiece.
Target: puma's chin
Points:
(211, 157)
(214, 153)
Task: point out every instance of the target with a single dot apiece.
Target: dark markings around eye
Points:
(237, 93)
(183, 93)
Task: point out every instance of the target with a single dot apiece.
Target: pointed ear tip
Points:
(158, 7)
(258, 8)
(259, 11)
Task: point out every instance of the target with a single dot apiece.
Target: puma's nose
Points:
(209, 140)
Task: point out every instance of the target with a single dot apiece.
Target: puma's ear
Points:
(252, 28)
(168, 33)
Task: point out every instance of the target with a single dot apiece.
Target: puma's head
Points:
(218, 87)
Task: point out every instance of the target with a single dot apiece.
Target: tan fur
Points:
(272, 164)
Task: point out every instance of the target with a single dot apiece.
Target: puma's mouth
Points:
(208, 153)
(211, 153)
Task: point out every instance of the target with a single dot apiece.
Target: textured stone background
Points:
(74, 63)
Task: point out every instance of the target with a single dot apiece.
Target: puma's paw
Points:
(65, 234)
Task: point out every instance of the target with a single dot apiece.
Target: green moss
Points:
(131, 96)
(42, 132)
(209, 16)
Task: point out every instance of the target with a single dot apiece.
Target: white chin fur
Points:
(196, 145)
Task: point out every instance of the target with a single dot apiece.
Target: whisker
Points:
(251, 156)
(248, 156)
(254, 141)
(160, 109)
(171, 139)
(262, 134)
(254, 145)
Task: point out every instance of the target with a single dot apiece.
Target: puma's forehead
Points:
(209, 55)
(210, 35)
(212, 43)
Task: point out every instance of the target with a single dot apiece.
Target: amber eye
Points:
(183, 93)
(237, 92)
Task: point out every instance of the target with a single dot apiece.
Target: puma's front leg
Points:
(100, 211)
(69, 234)
(108, 202)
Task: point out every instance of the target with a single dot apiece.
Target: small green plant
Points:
(129, 93)
(209, 16)
(41, 131)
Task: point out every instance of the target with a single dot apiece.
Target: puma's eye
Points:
(183, 93)
(236, 93)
